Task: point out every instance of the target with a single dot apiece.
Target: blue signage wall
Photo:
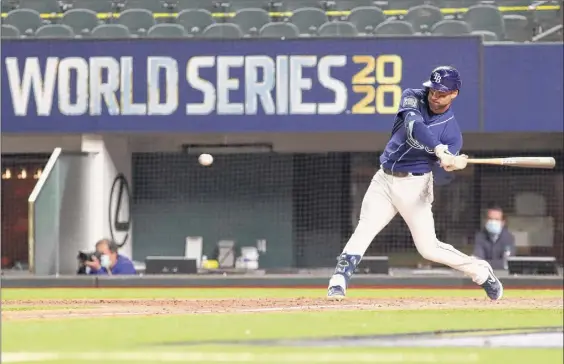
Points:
(267, 85)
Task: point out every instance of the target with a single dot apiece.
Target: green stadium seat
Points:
(223, 31)
(395, 27)
(195, 21)
(517, 28)
(350, 4)
(138, 21)
(155, 6)
(167, 31)
(251, 20)
(337, 29)
(366, 18)
(81, 21)
(451, 27)
(279, 30)
(98, 6)
(423, 17)
(10, 31)
(110, 31)
(308, 20)
(54, 31)
(486, 17)
(42, 6)
(25, 20)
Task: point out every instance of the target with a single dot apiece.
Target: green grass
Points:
(199, 293)
(157, 334)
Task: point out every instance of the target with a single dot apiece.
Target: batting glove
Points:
(446, 157)
(460, 162)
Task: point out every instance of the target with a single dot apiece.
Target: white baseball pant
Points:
(412, 197)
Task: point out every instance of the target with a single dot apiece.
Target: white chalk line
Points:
(197, 357)
(158, 312)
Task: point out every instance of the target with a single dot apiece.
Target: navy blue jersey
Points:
(416, 133)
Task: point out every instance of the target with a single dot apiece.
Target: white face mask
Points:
(105, 261)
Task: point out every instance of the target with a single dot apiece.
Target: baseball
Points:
(205, 159)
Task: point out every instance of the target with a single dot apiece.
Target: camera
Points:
(87, 256)
(84, 257)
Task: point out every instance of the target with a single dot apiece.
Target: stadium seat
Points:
(394, 27)
(337, 29)
(235, 5)
(42, 6)
(292, 5)
(209, 5)
(195, 21)
(98, 6)
(54, 31)
(279, 30)
(423, 17)
(223, 30)
(405, 4)
(110, 31)
(487, 36)
(8, 5)
(455, 4)
(308, 20)
(350, 4)
(451, 27)
(10, 31)
(366, 18)
(154, 6)
(138, 21)
(81, 21)
(251, 20)
(26, 20)
(517, 28)
(485, 17)
(167, 31)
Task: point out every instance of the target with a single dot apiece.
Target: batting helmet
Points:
(444, 78)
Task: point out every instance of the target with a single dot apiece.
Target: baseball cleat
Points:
(493, 286)
(336, 293)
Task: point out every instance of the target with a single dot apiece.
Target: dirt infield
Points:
(89, 308)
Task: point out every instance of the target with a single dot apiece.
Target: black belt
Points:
(401, 174)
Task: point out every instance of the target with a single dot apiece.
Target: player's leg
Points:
(413, 197)
(376, 212)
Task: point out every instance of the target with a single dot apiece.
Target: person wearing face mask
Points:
(494, 242)
(110, 262)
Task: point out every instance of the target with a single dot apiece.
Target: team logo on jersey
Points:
(410, 102)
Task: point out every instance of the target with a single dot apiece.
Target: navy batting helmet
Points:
(444, 78)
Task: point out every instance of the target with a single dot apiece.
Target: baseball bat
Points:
(523, 162)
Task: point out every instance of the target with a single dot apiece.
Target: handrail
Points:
(31, 206)
(546, 33)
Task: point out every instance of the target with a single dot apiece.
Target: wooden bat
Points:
(523, 162)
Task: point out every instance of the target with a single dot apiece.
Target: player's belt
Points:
(400, 174)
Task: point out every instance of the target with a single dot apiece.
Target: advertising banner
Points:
(301, 85)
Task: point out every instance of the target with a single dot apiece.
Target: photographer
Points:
(107, 261)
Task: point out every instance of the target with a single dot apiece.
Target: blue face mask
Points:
(494, 227)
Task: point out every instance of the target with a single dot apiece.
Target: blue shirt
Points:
(123, 266)
(416, 133)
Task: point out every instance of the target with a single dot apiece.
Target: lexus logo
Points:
(119, 209)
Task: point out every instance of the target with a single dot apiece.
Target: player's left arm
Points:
(452, 137)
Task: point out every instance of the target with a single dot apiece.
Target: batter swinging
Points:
(425, 132)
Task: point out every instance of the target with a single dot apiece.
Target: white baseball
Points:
(205, 159)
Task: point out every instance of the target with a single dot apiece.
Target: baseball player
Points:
(425, 132)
